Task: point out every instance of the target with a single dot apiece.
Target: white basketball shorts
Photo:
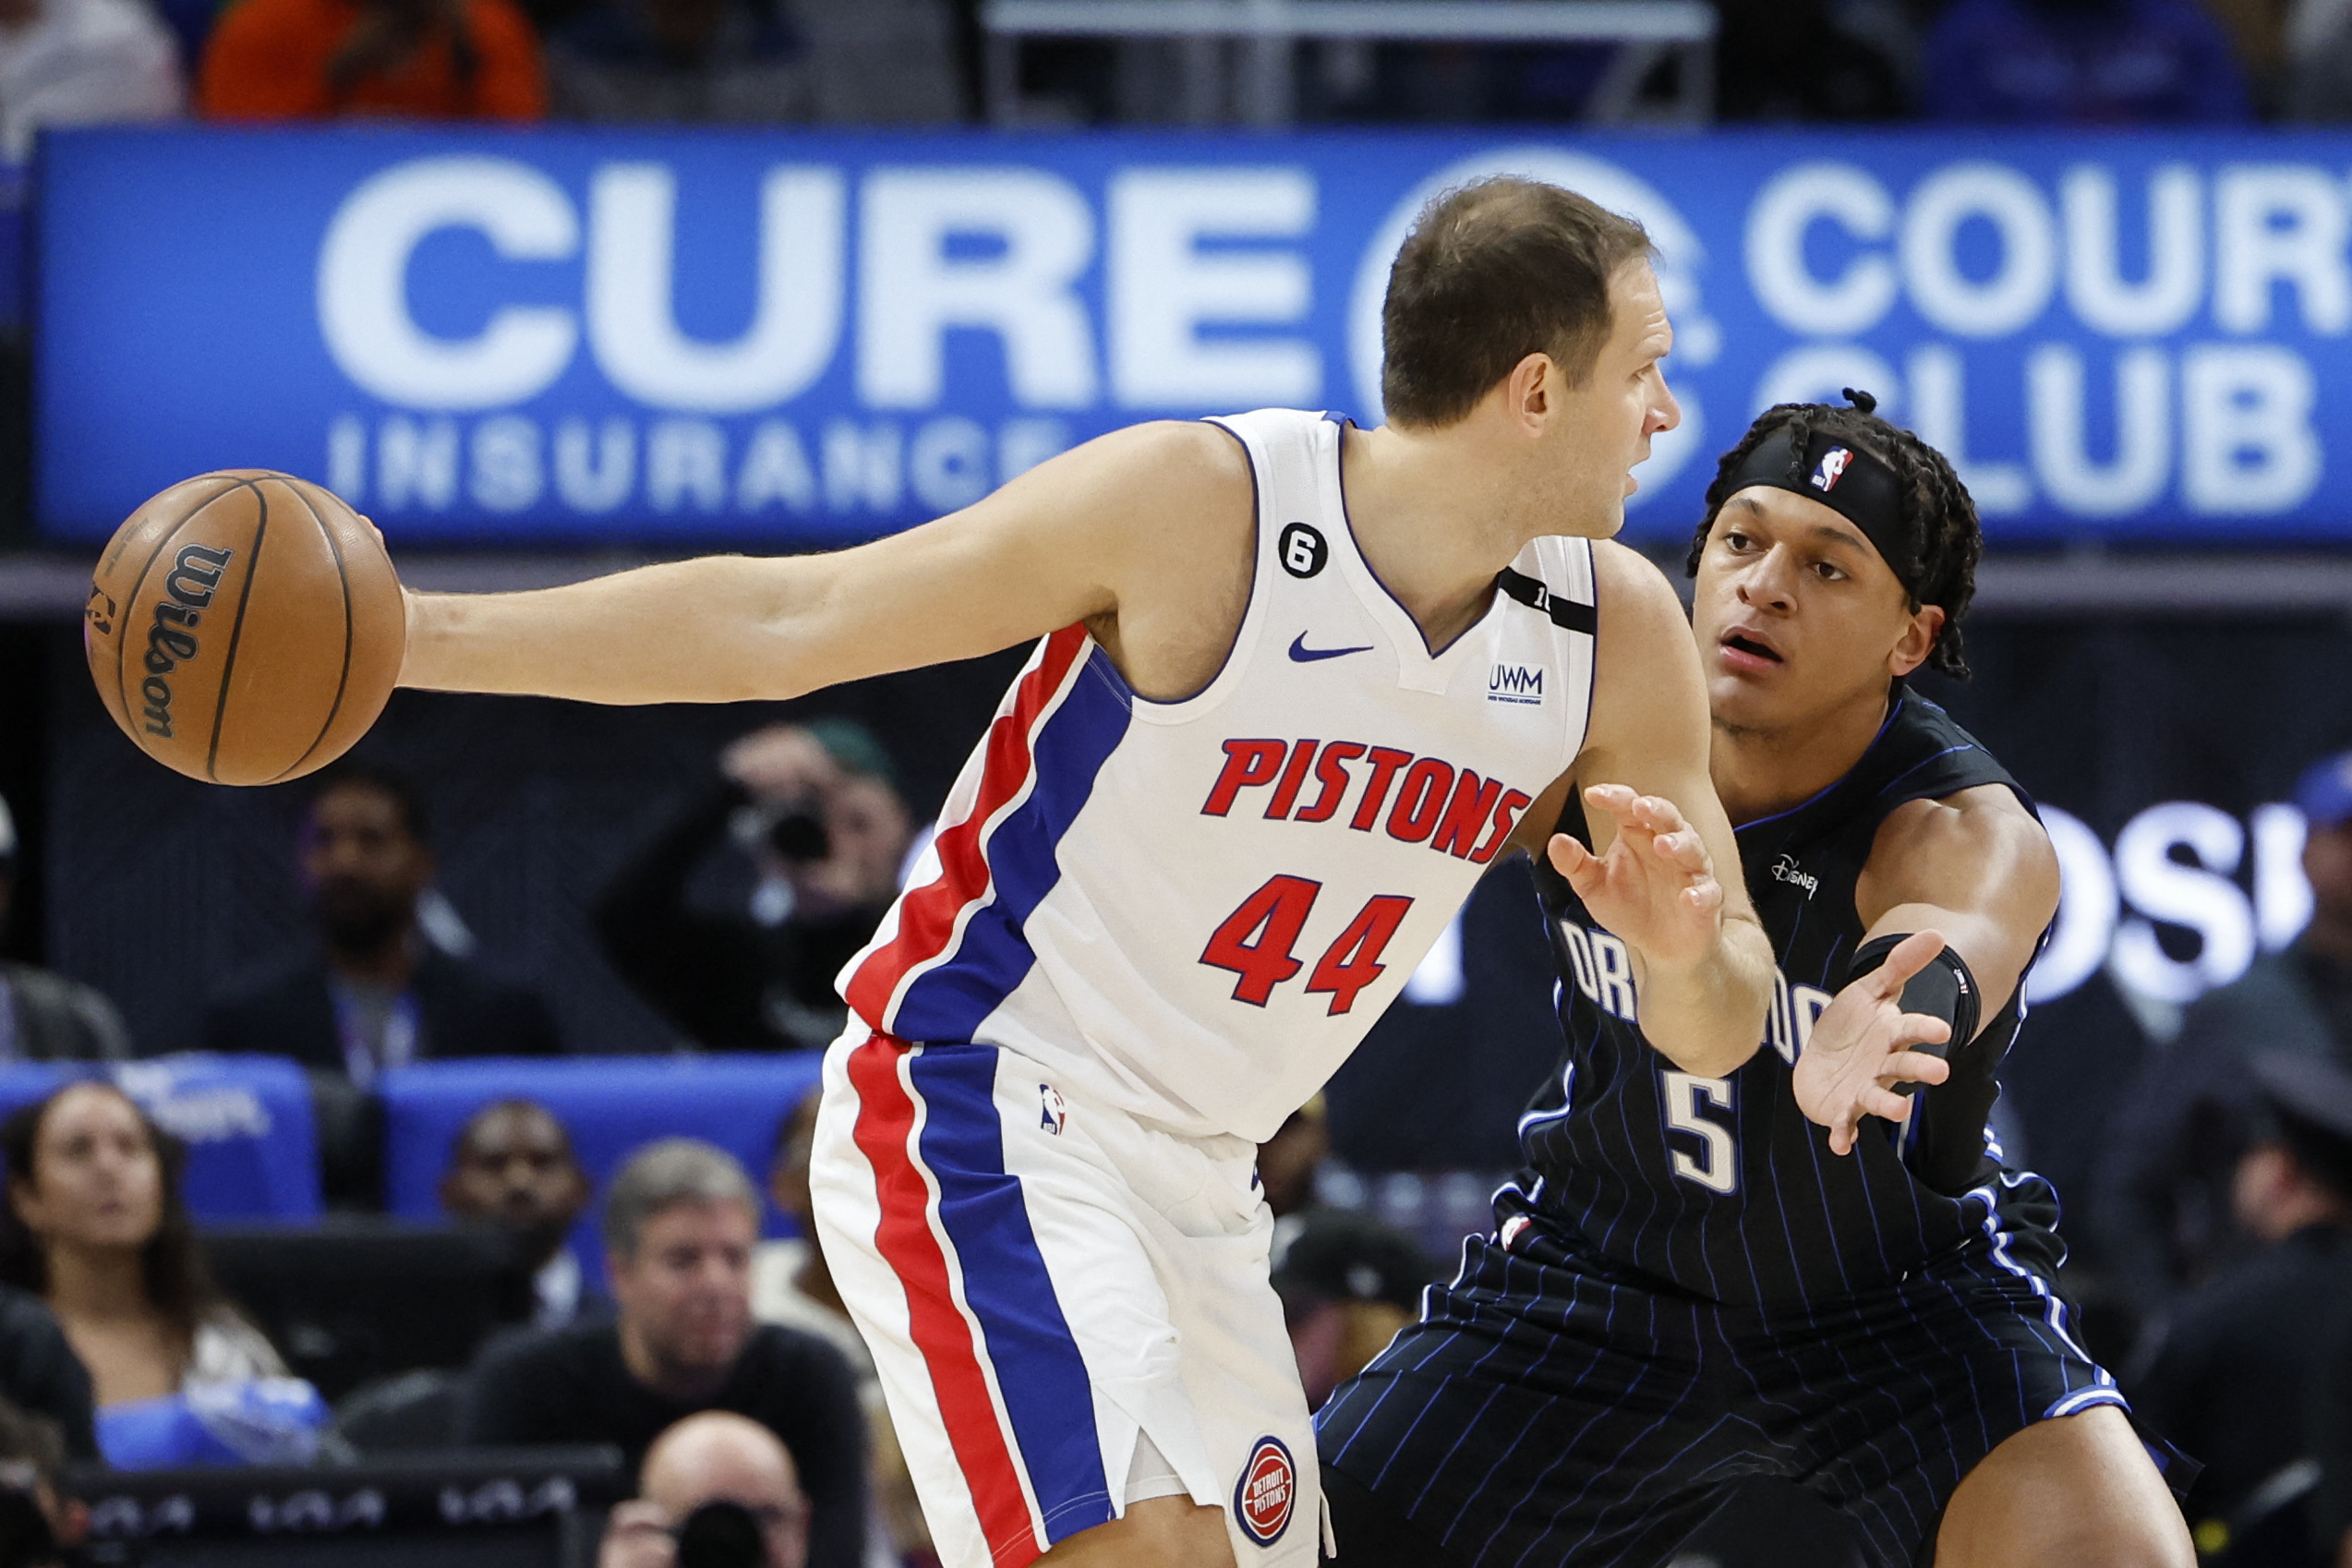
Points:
(1045, 1284)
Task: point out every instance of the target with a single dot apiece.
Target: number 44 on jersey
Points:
(1256, 943)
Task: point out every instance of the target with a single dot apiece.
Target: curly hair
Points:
(1938, 518)
(180, 1286)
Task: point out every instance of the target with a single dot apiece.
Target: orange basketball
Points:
(244, 627)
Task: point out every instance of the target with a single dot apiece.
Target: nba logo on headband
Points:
(1833, 467)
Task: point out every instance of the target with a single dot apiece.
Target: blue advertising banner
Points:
(788, 338)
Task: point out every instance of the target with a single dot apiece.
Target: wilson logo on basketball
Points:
(170, 639)
(1269, 1486)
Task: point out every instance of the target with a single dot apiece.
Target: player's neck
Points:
(1760, 772)
(1434, 522)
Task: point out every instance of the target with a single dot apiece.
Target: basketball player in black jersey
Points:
(1701, 1280)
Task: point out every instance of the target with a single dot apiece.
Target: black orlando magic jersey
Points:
(1721, 1186)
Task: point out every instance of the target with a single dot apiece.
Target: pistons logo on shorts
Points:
(1269, 1485)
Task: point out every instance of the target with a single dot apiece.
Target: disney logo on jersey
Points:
(1427, 800)
(1515, 684)
(1786, 870)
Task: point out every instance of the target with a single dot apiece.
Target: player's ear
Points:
(1532, 393)
(1910, 650)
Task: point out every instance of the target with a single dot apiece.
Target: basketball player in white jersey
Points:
(1299, 684)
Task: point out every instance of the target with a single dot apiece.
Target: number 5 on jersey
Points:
(1255, 943)
(1716, 1167)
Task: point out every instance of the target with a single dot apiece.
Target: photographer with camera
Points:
(718, 1491)
(680, 1221)
(817, 811)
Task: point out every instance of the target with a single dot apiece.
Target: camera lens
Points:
(798, 834)
(721, 1535)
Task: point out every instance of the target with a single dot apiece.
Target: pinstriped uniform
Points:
(1686, 1288)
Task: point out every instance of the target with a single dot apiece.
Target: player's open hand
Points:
(1655, 886)
(1860, 1047)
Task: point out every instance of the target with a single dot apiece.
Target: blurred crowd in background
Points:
(899, 62)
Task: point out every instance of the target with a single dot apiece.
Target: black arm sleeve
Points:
(1945, 1148)
(704, 973)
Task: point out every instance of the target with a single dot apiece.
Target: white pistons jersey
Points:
(1193, 911)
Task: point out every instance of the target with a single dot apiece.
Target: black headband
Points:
(1842, 478)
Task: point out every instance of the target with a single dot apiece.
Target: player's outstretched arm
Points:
(1057, 545)
(1973, 872)
(1703, 969)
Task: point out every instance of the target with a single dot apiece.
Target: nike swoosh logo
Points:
(1300, 653)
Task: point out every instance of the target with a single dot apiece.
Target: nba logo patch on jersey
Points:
(1833, 468)
(1269, 1484)
(1053, 1112)
(1511, 1229)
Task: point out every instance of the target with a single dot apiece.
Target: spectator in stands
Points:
(757, 61)
(714, 1457)
(1290, 1162)
(43, 1015)
(817, 807)
(82, 63)
(95, 1226)
(2082, 63)
(511, 1165)
(2172, 1154)
(378, 995)
(791, 1286)
(407, 59)
(680, 1222)
(2236, 1362)
(1347, 1283)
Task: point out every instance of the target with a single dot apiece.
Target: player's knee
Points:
(2078, 1492)
(1160, 1532)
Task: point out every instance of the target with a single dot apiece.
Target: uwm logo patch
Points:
(1268, 1488)
(1515, 684)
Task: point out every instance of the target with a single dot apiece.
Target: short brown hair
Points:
(1495, 271)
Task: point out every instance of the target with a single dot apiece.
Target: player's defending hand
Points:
(1861, 1048)
(1655, 886)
